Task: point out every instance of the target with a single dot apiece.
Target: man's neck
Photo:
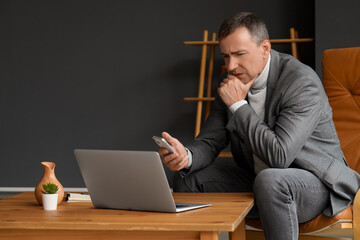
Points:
(261, 80)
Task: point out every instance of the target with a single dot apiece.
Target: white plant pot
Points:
(49, 201)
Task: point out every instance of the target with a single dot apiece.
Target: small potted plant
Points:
(50, 196)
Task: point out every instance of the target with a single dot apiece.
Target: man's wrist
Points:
(237, 105)
(188, 166)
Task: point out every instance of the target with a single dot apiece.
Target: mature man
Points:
(274, 112)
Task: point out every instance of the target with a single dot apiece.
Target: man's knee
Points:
(269, 182)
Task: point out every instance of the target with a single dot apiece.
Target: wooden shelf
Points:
(201, 42)
(199, 99)
(298, 40)
(226, 154)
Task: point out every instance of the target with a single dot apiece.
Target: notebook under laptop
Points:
(128, 180)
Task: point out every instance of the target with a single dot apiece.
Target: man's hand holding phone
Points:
(177, 160)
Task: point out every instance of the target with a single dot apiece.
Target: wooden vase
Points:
(48, 177)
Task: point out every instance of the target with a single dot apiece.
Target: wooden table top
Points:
(227, 211)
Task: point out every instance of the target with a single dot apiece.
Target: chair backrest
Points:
(341, 76)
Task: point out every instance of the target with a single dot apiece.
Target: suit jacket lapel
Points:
(271, 83)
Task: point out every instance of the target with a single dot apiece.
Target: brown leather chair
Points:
(341, 76)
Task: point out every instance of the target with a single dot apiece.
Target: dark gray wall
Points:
(108, 74)
(337, 26)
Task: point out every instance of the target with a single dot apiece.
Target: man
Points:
(274, 112)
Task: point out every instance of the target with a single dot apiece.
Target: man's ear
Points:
(266, 46)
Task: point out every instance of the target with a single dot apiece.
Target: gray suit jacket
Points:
(298, 131)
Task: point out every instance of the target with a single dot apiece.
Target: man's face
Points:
(243, 58)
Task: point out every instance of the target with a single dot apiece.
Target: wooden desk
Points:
(22, 218)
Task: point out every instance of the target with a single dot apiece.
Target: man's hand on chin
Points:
(232, 90)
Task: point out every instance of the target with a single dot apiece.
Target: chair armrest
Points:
(356, 216)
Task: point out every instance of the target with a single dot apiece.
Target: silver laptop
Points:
(128, 180)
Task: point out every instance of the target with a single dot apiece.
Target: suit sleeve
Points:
(213, 137)
(298, 114)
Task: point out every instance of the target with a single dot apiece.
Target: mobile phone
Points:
(163, 143)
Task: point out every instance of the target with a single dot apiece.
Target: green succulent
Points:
(50, 188)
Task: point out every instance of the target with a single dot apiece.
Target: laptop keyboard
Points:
(182, 205)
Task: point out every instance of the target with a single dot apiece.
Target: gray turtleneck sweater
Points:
(256, 97)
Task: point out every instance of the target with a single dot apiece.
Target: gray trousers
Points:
(283, 197)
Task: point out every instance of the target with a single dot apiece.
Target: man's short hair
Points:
(255, 25)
